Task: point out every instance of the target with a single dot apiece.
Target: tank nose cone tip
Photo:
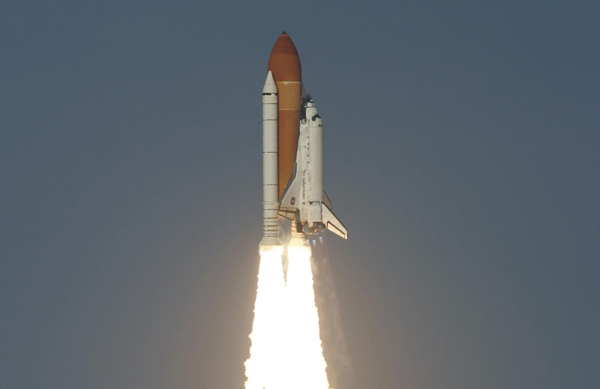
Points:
(284, 33)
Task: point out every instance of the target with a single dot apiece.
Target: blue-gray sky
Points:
(462, 154)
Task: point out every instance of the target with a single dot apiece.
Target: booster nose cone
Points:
(270, 86)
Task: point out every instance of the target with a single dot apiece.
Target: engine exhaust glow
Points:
(286, 351)
(266, 366)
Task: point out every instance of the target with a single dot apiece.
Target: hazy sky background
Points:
(462, 152)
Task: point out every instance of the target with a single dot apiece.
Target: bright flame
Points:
(265, 367)
(306, 364)
(286, 351)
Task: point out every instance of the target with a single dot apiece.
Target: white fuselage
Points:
(303, 199)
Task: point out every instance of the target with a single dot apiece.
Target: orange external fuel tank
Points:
(284, 63)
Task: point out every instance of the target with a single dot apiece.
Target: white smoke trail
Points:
(335, 346)
(305, 362)
(266, 366)
(286, 351)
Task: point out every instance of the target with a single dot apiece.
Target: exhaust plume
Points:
(266, 366)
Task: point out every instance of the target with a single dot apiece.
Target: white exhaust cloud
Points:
(286, 350)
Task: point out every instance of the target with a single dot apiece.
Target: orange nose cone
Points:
(284, 62)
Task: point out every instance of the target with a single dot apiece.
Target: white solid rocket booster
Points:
(270, 164)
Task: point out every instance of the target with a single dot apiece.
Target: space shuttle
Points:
(292, 153)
